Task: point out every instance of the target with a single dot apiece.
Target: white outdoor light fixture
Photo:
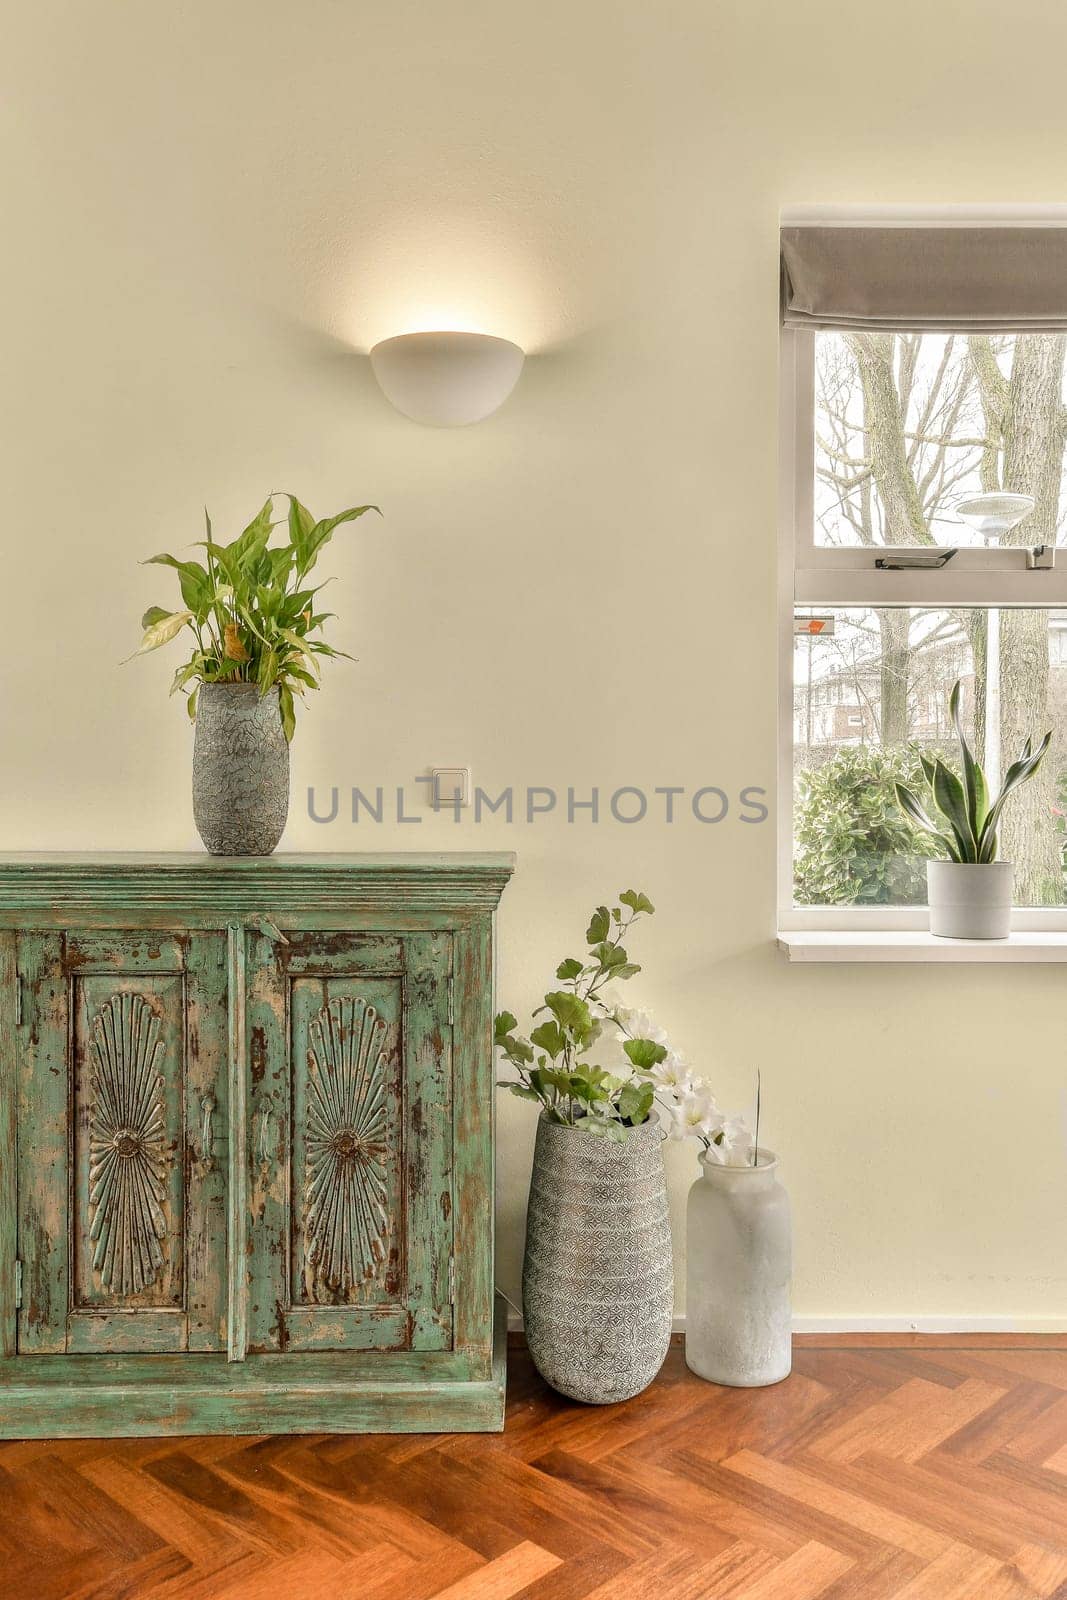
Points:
(447, 379)
(992, 515)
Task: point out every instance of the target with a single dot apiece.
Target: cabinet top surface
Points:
(52, 882)
(473, 861)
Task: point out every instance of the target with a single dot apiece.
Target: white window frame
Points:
(812, 575)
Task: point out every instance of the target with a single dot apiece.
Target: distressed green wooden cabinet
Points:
(246, 1144)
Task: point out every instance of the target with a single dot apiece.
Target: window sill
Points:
(901, 946)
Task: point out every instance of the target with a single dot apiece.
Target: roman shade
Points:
(958, 279)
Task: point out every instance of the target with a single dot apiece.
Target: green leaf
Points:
(610, 955)
(599, 927)
(321, 649)
(521, 1091)
(299, 677)
(503, 1025)
(267, 673)
(605, 1128)
(268, 599)
(1019, 772)
(588, 1087)
(513, 1045)
(288, 711)
(247, 548)
(638, 903)
(628, 971)
(635, 1102)
(300, 646)
(569, 969)
(910, 804)
(548, 1037)
(190, 705)
(184, 675)
(281, 562)
(301, 523)
(645, 1053)
(590, 1038)
(153, 615)
(192, 580)
(162, 632)
(229, 567)
(976, 792)
(571, 1013)
(322, 533)
(950, 801)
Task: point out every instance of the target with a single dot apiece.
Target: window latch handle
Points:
(912, 563)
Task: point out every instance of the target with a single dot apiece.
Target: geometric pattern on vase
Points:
(597, 1279)
(127, 1164)
(346, 1225)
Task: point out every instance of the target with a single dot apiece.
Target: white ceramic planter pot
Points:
(969, 901)
(738, 1318)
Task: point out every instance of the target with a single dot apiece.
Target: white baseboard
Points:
(861, 1323)
(927, 1324)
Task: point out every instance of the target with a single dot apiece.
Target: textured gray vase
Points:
(240, 770)
(597, 1277)
(738, 1324)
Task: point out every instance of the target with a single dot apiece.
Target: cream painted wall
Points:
(210, 209)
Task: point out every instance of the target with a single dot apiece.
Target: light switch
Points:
(451, 787)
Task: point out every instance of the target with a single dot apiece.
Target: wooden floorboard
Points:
(887, 1467)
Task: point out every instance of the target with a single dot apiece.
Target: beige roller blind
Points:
(968, 279)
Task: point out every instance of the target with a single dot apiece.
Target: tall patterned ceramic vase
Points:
(240, 769)
(597, 1280)
(738, 1322)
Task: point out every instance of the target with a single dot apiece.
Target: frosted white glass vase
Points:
(738, 1318)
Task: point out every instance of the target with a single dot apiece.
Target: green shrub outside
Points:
(853, 844)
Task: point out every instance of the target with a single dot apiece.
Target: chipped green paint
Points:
(9, 1025)
(127, 1397)
(116, 1207)
(349, 1248)
(237, 1165)
(320, 1027)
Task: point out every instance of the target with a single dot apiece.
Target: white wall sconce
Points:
(447, 379)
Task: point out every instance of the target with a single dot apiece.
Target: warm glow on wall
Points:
(464, 270)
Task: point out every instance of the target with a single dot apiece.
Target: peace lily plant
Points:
(256, 629)
(596, 1064)
(250, 609)
(970, 890)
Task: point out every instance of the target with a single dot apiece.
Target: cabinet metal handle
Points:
(207, 1154)
(265, 1112)
(267, 926)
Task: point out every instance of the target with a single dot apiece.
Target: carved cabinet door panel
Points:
(122, 1142)
(350, 1117)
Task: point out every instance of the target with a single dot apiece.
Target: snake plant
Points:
(967, 819)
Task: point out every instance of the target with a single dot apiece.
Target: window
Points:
(886, 431)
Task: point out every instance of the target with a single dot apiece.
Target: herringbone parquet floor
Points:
(921, 1474)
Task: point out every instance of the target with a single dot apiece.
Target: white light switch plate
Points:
(451, 786)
